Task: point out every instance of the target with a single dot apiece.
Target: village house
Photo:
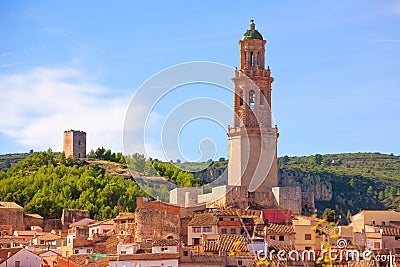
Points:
(280, 235)
(18, 257)
(202, 226)
(165, 245)
(391, 239)
(97, 229)
(167, 259)
(373, 240)
(79, 230)
(78, 246)
(305, 236)
(27, 235)
(124, 224)
(373, 217)
(47, 241)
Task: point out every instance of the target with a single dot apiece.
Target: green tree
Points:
(329, 215)
(318, 158)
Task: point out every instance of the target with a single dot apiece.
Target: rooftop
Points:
(227, 243)
(149, 256)
(6, 253)
(84, 222)
(252, 33)
(203, 219)
(165, 242)
(125, 216)
(10, 205)
(390, 231)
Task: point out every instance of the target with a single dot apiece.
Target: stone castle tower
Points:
(252, 140)
(75, 144)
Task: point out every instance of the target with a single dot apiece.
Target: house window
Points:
(41, 242)
(307, 248)
(233, 231)
(196, 229)
(221, 219)
(76, 251)
(272, 237)
(377, 245)
(232, 219)
(88, 250)
(281, 238)
(207, 229)
(196, 241)
(17, 263)
(185, 253)
(307, 236)
(397, 237)
(240, 262)
(223, 231)
(383, 223)
(164, 249)
(397, 250)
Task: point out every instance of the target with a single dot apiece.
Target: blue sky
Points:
(76, 65)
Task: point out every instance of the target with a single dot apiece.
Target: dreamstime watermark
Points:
(333, 254)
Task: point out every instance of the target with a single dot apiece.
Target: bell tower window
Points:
(251, 59)
(259, 60)
(241, 98)
(262, 96)
(252, 99)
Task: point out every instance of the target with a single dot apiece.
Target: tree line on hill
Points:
(45, 184)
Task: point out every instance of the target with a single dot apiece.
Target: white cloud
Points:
(39, 105)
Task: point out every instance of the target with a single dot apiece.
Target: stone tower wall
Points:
(75, 144)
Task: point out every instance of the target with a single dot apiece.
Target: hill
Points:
(45, 182)
(346, 182)
(8, 160)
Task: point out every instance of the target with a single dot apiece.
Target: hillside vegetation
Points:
(358, 180)
(46, 182)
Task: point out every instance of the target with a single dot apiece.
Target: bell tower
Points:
(252, 140)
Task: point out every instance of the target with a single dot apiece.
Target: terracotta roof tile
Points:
(328, 230)
(165, 242)
(276, 228)
(48, 237)
(150, 256)
(125, 216)
(84, 222)
(203, 259)
(203, 219)
(390, 231)
(252, 220)
(227, 243)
